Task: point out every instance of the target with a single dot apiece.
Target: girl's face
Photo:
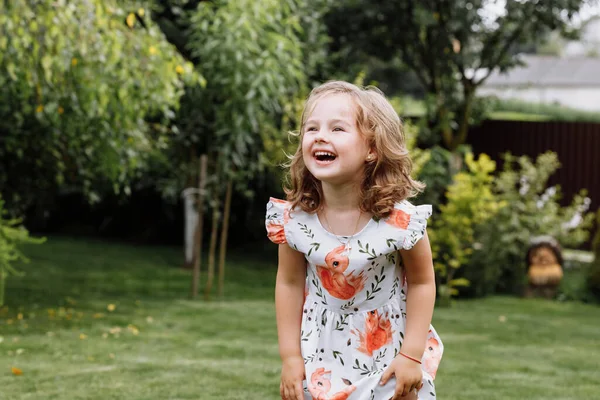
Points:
(333, 149)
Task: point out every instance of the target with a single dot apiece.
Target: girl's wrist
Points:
(287, 357)
(409, 357)
(413, 351)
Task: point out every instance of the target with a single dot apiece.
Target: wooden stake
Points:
(211, 250)
(198, 234)
(224, 231)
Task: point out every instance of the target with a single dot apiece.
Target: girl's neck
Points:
(341, 197)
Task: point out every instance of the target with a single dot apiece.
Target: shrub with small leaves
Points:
(532, 209)
(12, 234)
(594, 271)
(470, 203)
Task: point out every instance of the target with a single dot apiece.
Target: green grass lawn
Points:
(59, 330)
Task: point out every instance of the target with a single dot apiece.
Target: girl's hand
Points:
(408, 373)
(292, 374)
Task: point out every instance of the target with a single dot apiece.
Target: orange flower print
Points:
(332, 275)
(276, 233)
(278, 201)
(320, 385)
(433, 356)
(398, 218)
(378, 332)
(275, 229)
(286, 216)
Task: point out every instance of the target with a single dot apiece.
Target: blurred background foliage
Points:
(106, 107)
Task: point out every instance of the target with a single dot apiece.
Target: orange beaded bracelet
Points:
(410, 358)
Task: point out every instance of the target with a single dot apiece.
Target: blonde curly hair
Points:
(387, 179)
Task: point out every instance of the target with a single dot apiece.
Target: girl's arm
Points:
(420, 299)
(289, 300)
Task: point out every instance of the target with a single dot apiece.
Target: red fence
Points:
(577, 145)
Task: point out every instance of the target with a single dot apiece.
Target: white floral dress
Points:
(355, 307)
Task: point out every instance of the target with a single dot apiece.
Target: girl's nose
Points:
(320, 136)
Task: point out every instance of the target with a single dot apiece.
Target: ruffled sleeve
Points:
(411, 222)
(278, 215)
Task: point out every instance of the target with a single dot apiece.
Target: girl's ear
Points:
(371, 155)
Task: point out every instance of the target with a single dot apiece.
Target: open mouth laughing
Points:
(324, 157)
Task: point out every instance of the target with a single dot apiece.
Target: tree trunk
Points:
(212, 249)
(224, 231)
(2, 278)
(444, 126)
(199, 226)
(463, 124)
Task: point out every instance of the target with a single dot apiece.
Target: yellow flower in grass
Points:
(20, 316)
(152, 50)
(17, 371)
(141, 12)
(133, 329)
(39, 108)
(61, 110)
(111, 307)
(74, 61)
(179, 69)
(82, 336)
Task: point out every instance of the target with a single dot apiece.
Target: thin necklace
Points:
(347, 245)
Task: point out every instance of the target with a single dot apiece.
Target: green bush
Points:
(88, 92)
(594, 271)
(532, 209)
(12, 234)
(574, 285)
(470, 203)
(436, 175)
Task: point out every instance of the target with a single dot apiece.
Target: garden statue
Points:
(544, 267)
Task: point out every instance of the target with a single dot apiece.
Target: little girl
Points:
(355, 284)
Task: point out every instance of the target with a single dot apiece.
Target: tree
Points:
(88, 91)
(452, 46)
(251, 54)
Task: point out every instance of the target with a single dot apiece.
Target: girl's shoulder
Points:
(408, 222)
(277, 220)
